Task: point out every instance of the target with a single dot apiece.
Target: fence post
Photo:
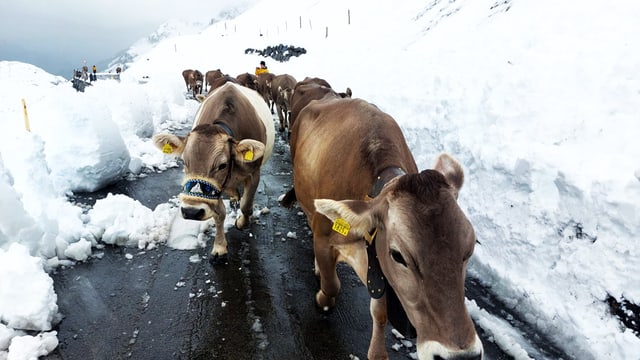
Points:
(326, 32)
(26, 117)
(348, 16)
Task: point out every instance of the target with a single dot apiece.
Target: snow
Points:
(538, 100)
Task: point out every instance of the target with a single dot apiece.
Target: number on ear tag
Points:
(248, 155)
(167, 148)
(341, 226)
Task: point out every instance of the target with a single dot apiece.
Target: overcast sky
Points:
(61, 32)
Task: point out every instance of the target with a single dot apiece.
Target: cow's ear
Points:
(452, 171)
(169, 144)
(248, 151)
(348, 216)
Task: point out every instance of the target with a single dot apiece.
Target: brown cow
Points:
(264, 88)
(281, 90)
(198, 80)
(311, 89)
(248, 80)
(210, 76)
(402, 232)
(231, 138)
(193, 80)
(186, 75)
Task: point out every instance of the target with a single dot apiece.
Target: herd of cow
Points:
(366, 201)
(276, 90)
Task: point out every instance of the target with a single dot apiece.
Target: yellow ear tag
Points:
(341, 226)
(248, 155)
(167, 148)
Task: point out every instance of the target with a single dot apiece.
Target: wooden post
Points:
(26, 117)
(348, 17)
(326, 32)
(300, 22)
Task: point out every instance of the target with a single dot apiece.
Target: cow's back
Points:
(256, 122)
(340, 145)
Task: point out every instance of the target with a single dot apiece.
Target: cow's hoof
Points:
(217, 259)
(324, 304)
(326, 310)
(241, 222)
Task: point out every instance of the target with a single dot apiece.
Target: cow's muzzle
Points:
(192, 213)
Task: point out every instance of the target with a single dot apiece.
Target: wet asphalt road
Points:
(157, 304)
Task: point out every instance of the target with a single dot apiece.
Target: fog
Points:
(62, 35)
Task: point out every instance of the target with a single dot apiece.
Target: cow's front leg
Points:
(219, 248)
(326, 266)
(377, 346)
(246, 201)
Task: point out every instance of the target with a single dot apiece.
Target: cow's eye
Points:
(397, 257)
(221, 167)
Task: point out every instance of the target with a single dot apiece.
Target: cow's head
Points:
(423, 244)
(285, 94)
(214, 163)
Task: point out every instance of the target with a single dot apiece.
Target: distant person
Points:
(94, 69)
(85, 72)
(118, 70)
(262, 69)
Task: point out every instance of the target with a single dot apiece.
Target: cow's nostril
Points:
(192, 213)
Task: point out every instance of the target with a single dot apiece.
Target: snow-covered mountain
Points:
(169, 29)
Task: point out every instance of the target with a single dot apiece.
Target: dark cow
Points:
(264, 88)
(211, 76)
(231, 138)
(198, 80)
(401, 230)
(281, 90)
(186, 75)
(248, 80)
(311, 89)
(193, 79)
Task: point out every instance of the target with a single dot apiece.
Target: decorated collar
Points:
(201, 188)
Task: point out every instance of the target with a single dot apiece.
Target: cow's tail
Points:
(289, 199)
